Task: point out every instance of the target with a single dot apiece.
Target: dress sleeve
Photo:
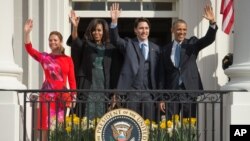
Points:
(33, 52)
(68, 97)
(71, 75)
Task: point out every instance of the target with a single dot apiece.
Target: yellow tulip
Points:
(170, 124)
(175, 118)
(193, 121)
(147, 122)
(76, 120)
(185, 121)
(68, 129)
(163, 125)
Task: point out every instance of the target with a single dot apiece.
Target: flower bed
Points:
(174, 129)
(76, 129)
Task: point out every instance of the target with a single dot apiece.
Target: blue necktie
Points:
(177, 55)
(177, 59)
(144, 50)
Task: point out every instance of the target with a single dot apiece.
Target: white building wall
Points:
(10, 74)
(239, 72)
(51, 15)
(237, 105)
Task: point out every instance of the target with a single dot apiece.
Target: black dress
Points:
(96, 100)
(96, 68)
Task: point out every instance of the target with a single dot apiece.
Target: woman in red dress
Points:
(58, 69)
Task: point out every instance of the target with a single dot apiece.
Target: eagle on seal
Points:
(121, 135)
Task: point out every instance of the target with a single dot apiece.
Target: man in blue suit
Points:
(179, 70)
(140, 68)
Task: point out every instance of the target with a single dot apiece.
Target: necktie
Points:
(177, 59)
(177, 55)
(144, 51)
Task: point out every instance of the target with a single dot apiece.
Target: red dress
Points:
(58, 69)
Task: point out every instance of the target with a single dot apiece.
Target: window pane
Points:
(89, 6)
(157, 6)
(127, 6)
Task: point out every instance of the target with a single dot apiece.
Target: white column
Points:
(9, 73)
(239, 72)
(237, 104)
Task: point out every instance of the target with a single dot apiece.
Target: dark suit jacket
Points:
(132, 57)
(188, 68)
(83, 56)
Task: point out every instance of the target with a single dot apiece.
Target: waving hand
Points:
(74, 19)
(27, 29)
(209, 14)
(115, 12)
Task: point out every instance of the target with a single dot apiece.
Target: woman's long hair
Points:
(92, 26)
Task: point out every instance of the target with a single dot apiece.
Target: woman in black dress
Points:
(96, 60)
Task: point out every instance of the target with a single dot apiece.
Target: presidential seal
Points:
(121, 125)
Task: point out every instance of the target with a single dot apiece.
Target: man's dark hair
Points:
(139, 20)
(178, 21)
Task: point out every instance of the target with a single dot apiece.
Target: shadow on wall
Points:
(207, 67)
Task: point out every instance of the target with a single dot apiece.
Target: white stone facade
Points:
(20, 71)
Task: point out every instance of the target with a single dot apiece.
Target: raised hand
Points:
(74, 19)
(115, 12)
(28, 26)
(27, 29)
(209, 14)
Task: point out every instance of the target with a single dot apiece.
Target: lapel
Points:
(151, 51)
(169, 52)
(136, 46)
(107, 59)
(183, 52)
(169, 49)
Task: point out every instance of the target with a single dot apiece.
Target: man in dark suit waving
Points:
(140, 68)
(179, 69)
